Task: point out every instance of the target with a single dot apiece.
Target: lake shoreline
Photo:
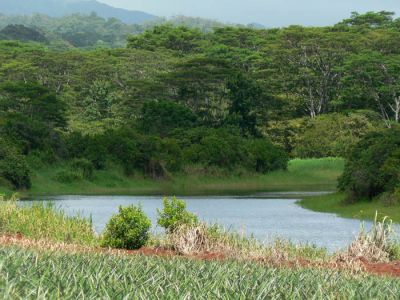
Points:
(302, 175)
(365, 210)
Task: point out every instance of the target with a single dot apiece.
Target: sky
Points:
(270, 13)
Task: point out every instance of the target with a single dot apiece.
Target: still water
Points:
(265, 216)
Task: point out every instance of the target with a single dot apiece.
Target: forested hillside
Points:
(60, 8)
(86, 31)
(181, 100)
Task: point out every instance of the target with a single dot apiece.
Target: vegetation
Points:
(61, 270)
(302, 175)
(174, 215)
(179, 101)
(182, 108)
(44, 222)
(127, 230)
(27, 274)
(372, 168)
(364, 210)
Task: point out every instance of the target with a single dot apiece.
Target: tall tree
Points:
(373, 80)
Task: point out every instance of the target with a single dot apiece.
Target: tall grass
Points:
(377, 245)
(33, 275)
(203, 239)
(44, 221)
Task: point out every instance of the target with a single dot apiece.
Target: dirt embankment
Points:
(383, 269)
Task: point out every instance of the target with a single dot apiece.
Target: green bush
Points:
(331, 135)
(129, 229)
(84, 166)
(13, 166)
(266, 157)
(68, 176)
(174, 214)
(372, 167)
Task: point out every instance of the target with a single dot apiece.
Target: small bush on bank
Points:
(174, 215)
(68, 176)
(129, 229)
(84, 166)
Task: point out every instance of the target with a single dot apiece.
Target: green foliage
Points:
(370, 19)
(164, 116)
(181, 100)
(181, 39)
(84, 166)
(372, 166)
(13, 166)
(22, 33)
(45, 222)
(332, 135)
(174, 215)
(246, 98)
(266, 157)
(68, 176)
(129, 229)
(38, 274)
(31, 115)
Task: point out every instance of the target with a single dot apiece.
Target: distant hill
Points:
(22, 33)
(58, 8)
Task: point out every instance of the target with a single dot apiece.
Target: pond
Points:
(265, 216)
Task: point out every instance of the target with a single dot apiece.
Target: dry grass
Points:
(202, 239)
(374, 246)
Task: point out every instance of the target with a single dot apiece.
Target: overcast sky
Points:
(267, 12)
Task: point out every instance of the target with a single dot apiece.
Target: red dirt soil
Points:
(383, 269)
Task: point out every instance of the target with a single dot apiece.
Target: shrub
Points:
(13, 166)
(83, 166)
(372, 167)
(129, 229)
(267, 157)
(68, 176)
(174, 215)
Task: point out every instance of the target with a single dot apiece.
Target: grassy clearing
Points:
(45, 222)
(27, 274)
(365, 210)
(302, 175)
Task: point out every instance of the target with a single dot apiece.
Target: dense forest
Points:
(86, 31)
(184, 99)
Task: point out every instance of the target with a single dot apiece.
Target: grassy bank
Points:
(302, 175)
(27, 274)
(365, 210)
(42, 221)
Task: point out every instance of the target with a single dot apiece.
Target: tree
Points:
(199, 82)
(246, 103)
(163, 116)
(182, 40)
(22, 33)
(310, 61)
(369, 19)
(372, 166)
(32, 115)
(373, 80)
(100, 101)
